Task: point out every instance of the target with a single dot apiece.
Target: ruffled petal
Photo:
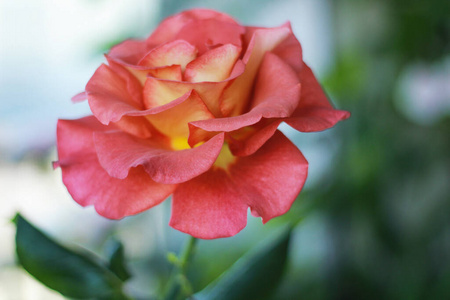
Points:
(314, 112)
(109, 96)
(288, 50)
(79, 97)
(170, 27)
(263, 40)
(118, 152)
(248, 140)
(209, 206)
(215, 65)
(208, 33)
(174, 118)
(129, 51)
(89, 184)
(277, 94)
(158, 92)
(171, 72)
(215, 204)
(178, 52)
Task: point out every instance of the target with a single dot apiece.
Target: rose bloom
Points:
(192, 112)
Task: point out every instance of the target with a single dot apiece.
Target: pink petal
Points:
(314, 112)
(252, 138)
(207, 33)
(89, 184)
(209, 206)
(172, 72)
(234, 101)
(129, 51)
(277, 92)
(288, 50)
(79, 97)
(215, 204)
(173, 121)
(170, 27)
(109, 97)
(158, 92)
(215, 65)
(178, 52)
(118, 152)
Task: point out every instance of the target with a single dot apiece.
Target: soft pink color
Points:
(193, 111)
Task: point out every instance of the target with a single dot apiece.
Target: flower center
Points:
(179, 143)
(225, 158)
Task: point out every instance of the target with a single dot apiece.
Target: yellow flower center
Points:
(225, 158)
(180, 143)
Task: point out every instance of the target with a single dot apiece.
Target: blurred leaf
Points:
(73, 274)
(254, 275)
(117, 260)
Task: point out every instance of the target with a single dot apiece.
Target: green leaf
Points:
(117, 260)
(254, 276)
(71, 273)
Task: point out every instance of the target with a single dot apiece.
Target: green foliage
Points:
(117, 260)
(254, 276)
(72, 273)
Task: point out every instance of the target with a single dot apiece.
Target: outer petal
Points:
(209, 206)
(288, 50)
(79, 97)
(314, 112)
(87, 181)
(208, 33)
(170, 27)
(277, 93)
(264, 40)
(118, 152)
(109, 97)
(129, 51)
(114, 93)
(214, 204)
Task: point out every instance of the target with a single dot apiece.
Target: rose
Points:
(193, 111)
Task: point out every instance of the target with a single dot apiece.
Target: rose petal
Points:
(172, 72)
(129, 51)
(87, 181)
(288, 50)
(207, 33)
(170, 27)
(215, 65)
(118, 152)
(79, 97)
(178, 52)
(215, 204)
(159, 92)
(233, 100)
(277, 93)
(109, 97)
(314, 112)
(209, 206)
(248, 140)
(174, 120)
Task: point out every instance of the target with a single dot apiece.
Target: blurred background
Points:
(375, 212)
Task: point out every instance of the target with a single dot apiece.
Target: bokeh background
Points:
(374, 216)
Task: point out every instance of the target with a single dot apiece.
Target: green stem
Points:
(178, 286)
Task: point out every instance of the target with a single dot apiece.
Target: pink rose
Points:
(193, 111)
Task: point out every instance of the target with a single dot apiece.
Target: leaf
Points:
(254, 275)
(117, 260)
(71, 273)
